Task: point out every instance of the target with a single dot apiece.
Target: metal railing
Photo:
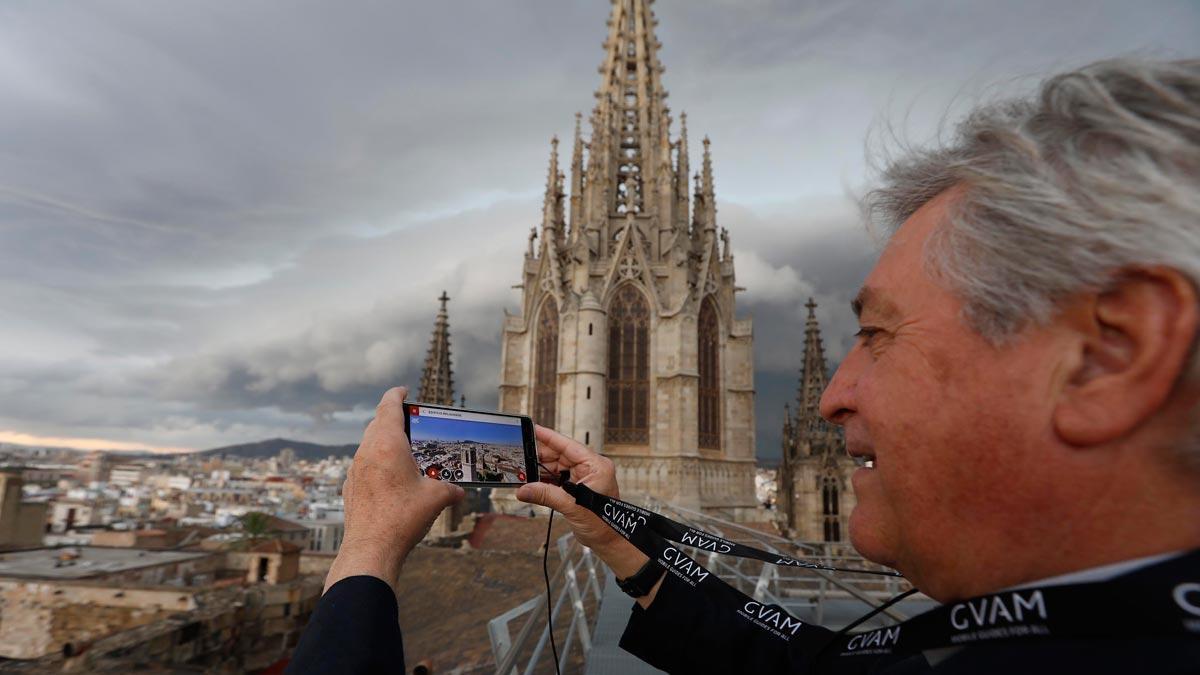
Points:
(802, 591)
(579, 591)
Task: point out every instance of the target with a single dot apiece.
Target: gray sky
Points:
(223, 221)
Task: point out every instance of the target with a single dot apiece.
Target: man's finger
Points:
(550, 459)
(572, 451)
(545, 494)
(391, 407)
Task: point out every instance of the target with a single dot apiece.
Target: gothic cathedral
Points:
(627, 338)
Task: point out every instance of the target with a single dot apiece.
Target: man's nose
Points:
(837, 402)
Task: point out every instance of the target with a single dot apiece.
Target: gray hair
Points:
(1096, 172)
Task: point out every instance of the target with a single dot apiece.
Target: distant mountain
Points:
(271, 448)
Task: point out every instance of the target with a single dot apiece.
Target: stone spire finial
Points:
(682, 170)
(706, 184)
(437, 378)
(577, 173)
(550, 203)
(704, 215)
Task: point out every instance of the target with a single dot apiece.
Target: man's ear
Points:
(1134, 343)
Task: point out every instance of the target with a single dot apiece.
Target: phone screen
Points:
(466, 446)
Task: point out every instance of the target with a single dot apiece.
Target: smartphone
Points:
(471, 447)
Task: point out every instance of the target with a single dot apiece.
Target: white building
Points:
(325, 535)
(126, 475)
(68, 513)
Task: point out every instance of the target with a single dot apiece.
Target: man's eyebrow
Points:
(871, 298)
(862, 298)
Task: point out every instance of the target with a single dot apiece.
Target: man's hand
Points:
(559, 453)
(389, 504)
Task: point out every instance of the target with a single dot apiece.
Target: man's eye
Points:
(865, 333)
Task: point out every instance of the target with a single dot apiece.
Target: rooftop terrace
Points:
(85, 561)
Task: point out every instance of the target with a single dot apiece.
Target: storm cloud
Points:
(221, 221)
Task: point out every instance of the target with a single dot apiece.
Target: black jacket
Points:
(355, 629)
(687, 632)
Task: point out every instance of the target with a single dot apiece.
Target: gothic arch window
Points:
(545, 375)
(829, 508)
(709, 357)
(628, 418)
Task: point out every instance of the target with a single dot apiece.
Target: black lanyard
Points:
(1162, 599)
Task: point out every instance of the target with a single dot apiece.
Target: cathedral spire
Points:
(813, 377)
(437, 379)
(631, 120)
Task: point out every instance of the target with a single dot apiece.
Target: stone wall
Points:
(84, 628)
(39, 618)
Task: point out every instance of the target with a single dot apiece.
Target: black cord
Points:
(549, 599)
(546, 574)
(868, 615)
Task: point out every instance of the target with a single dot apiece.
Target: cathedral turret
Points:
(592, 351)
(437, 378)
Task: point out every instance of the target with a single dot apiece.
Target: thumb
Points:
(454, 493)
(544, 494)
(445, 493)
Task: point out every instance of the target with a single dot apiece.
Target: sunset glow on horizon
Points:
(19, 438)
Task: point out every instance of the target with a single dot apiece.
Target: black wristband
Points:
(642, 581)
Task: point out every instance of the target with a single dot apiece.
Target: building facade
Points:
(22, 523)
(814, 497)
(627, 337)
